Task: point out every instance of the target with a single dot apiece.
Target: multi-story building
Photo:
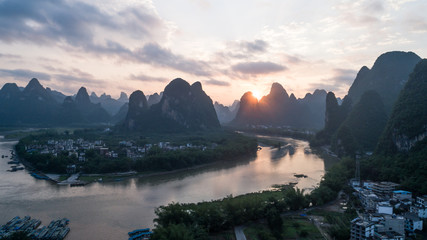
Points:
(389, 235)
(384, 207)
(412, 223)
(384, 188)
(361, 230)
(391, 223)
(420, 207)
(402, 195)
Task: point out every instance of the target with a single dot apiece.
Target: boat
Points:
(138, 231)
(77, 184)
(141, 236)
(37, 176)
(64, 233)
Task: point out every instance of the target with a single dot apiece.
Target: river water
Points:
(110, 210)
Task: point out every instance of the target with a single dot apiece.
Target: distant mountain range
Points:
(111, 105)
(356, 121)
(226, 113)
(279, 109)
(34, 105)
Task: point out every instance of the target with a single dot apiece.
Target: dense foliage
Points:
(218, 215)
(363, 126)
(409, 169)
(409, 117)
(334, 117)
(190, 220)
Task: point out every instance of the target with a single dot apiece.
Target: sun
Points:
(256, 94)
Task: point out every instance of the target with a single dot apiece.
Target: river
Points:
(109, 210)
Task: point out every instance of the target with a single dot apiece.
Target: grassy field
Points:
(294, 227)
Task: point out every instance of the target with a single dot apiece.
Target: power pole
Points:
(357, 177)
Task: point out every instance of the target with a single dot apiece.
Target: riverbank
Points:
(265, 141)
(96, 209)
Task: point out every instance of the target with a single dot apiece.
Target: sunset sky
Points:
(229, 46)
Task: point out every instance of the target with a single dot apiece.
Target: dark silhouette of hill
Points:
(407, 125)
(363, 126)
(31, 106)
(154, 98)
(401, 154)
(279, 109)
(111, 105)
(182, 107)
(387, 77)
(226, 113)
(84, 110)
(136, 109)
(38, 106)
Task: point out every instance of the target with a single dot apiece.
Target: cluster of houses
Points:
(73, 147)
(134, 151)
(79, 147)
(390, 214)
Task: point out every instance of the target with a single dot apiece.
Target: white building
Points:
(412, 223)
(385, 208)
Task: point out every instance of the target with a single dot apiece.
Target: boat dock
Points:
(57, 229)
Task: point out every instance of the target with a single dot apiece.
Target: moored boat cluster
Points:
(57, 229)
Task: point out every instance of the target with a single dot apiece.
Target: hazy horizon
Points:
(230, 48)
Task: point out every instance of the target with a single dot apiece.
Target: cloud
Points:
(146, 78)
(67, 79)
(72, 23)
(343, 76)
(339, 82)
(72, 26)
(255, 46)
(216, 82)
(24, 74)
(257, 68)
(10, 56)
(293, 59)
(242, 50)
(156, 55)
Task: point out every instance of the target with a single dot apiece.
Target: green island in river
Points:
(102, 154)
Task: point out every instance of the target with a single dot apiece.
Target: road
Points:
(239, 233)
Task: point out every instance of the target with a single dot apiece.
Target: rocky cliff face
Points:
(82, 110)
(387, 77)
(187, 105)
(136, 109)
(363, 126)
(82, 97)
(182, 107)
(407, 125)
(154, 98)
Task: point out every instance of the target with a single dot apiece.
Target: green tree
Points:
(173, 231)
